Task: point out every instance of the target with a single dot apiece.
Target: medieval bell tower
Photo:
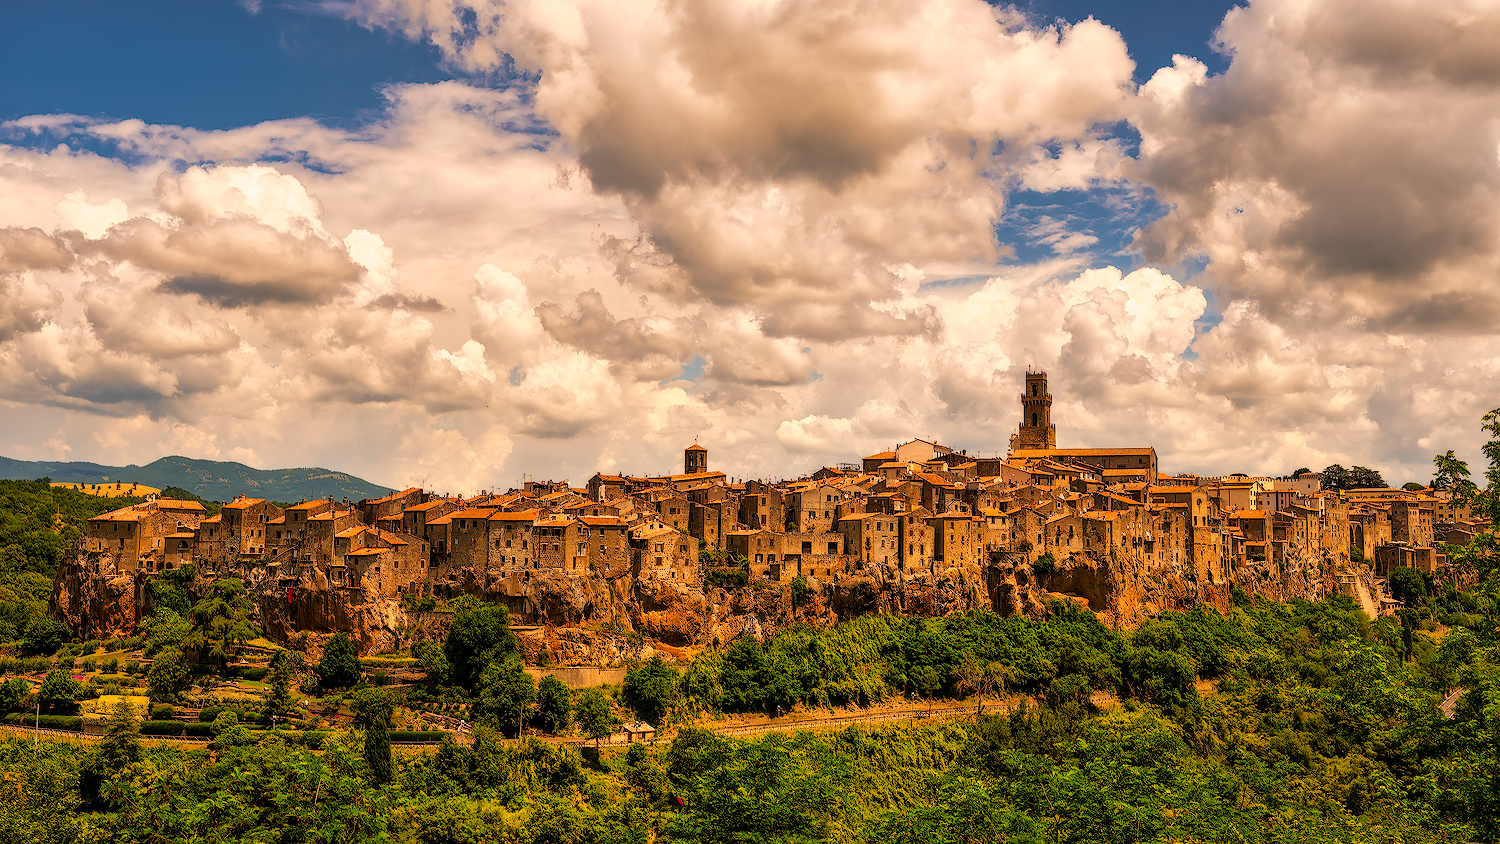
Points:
(1037, 430)
(694, 460)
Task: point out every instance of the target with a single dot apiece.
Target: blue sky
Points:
(213, 64)
(565, 236)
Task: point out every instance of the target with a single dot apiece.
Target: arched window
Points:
(1033, 389)
(1033, 420)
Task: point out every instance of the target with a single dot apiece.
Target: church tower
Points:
(1037, 430)
(694, 460)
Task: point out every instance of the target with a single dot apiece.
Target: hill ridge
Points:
(216, 480)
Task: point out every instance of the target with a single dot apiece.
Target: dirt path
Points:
(734, 726)
(1366, 602)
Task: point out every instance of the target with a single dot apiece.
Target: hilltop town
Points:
(693, 559)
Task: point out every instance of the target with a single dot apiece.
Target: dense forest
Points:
(1276, 722)
(38, 523)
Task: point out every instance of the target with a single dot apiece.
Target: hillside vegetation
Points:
(211, 479)
(1276, 722)
(38, 523)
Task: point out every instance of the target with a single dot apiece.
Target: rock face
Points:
(93, 599)
(599, 621)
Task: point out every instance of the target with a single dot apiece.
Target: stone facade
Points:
(920, 528)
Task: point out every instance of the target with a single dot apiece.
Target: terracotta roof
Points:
(1079, 452)
(389, 537)
(602, 521)
(177, 504)
(1248, 514)
(884, 455)
(695, 447)
(279, 520)
(506, 516)
(214, 519)
(473, 513)
(349, 533)
(367, 552)
(426, 506)
(242, 503)
(181, 535)
(128, 514)
(406, 491)
(308, 505)
(440, 521)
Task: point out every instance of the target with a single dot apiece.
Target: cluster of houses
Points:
(919, 511)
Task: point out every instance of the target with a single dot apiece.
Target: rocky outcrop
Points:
(1124, 590)
(94, 599)
(599, 621)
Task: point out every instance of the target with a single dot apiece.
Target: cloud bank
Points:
(772, 227)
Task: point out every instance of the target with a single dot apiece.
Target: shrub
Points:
(110, 666)
(162, 728)
(254, 672)
(46, 722)
(726, 579)
(417, 735)
(163, 712)
(1044, 564)
(208, 713)
(198, 728)
(339, 667)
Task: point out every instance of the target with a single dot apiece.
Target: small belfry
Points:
(1037, 430)
(694, 460)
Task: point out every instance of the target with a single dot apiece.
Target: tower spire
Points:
(1037, 430)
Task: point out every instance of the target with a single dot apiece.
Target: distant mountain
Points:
(211, 479)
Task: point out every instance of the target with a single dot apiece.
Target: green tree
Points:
(1408, 586)
(58, 691)
(13, 692)
(1453, 476)
(594, 714)
(339, 666)
(44, 634)
(478, 636)
(973, 676)
(799, 590)
(373, 709)
(505, 693)
(121, 745)
(434, 664)
(165, 629)
(169, 676)
(169, 590)
(222, 621)
(554, 709)
(279, 681)
(1489, 501)
(652, 690)
(1335, 477)
(227, 732)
